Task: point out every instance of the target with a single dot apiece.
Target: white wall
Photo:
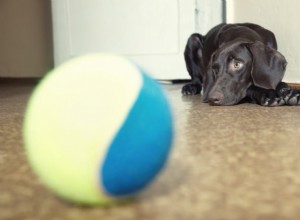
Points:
(280, 16)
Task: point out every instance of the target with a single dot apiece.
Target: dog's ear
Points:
(268, 65)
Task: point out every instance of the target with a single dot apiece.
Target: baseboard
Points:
(35, 80)
(17, 80)
(294, 85)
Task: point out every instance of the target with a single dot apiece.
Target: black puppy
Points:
(235, 62)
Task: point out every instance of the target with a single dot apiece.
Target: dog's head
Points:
(237, 65)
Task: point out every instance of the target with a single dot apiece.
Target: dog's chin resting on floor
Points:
(235, 63)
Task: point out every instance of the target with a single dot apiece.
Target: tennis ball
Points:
(97, 129)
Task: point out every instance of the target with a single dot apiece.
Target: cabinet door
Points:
(152, 33)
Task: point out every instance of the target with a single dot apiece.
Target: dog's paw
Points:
(291, 97)
(284, 96)
(191, 89)
(271, 101)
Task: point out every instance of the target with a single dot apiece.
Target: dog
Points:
(234, 63)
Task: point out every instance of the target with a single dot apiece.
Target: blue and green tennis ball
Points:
(97, 129)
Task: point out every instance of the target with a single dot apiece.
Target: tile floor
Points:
(233, 163)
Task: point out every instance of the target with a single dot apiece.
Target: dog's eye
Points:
(237, 64)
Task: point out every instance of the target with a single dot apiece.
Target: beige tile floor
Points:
(233, 163)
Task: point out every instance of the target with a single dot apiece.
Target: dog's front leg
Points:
(194, 65)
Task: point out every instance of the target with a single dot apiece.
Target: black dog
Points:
(237, 62)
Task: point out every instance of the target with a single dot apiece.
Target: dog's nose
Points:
(216, 98)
